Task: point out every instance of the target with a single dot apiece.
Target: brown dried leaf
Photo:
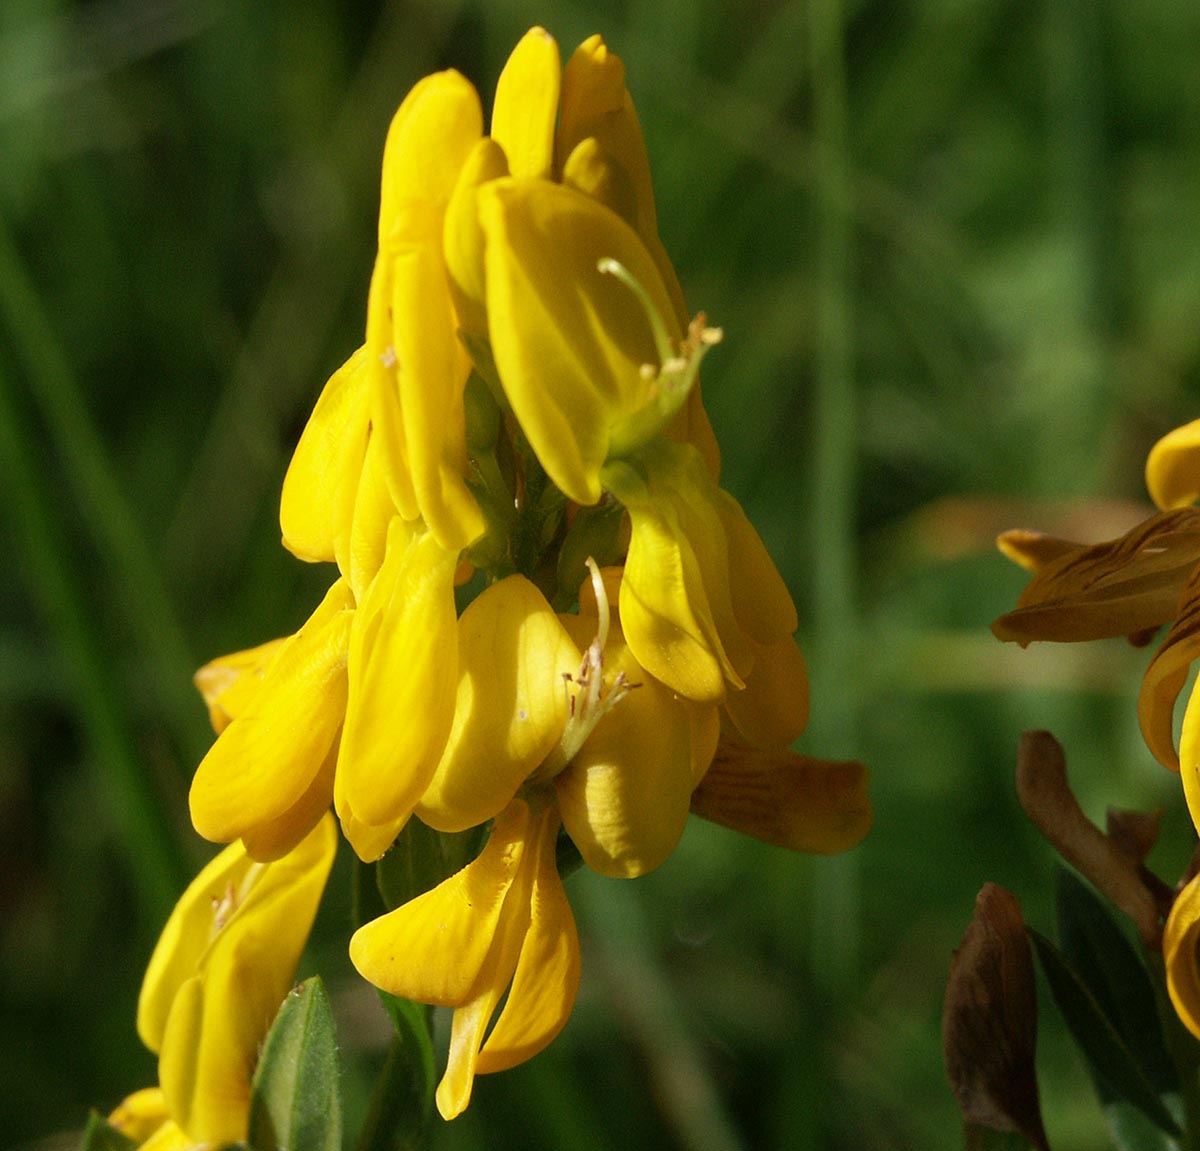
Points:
(1047, 799)
(989, 1021)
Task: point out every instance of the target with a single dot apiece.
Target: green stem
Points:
(134, 575)
(156, 864)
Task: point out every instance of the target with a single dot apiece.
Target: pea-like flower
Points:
(220, 971)
(1130, 586)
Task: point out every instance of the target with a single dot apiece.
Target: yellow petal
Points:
(1033, 550)
(433, 948)
(526, 106)
(141, 1114)
(361, 547)
(463, 238)
(789, 800)
(665, 613)
(624, 796)
(403, 670)
(569, 342)
(229, 683)
(1166, 675)
(513, 655)
(430, 136)
(254, 920)
(546, 980)
(1117, 588)
(433, 370)
(591, 170)
(266, 760)
(1180, 938)
(323, 474)
(706, 734)
(271, 841)
(1189, 755)
(772, 710)
(761, 601)
(1173, 468)
(596, 103)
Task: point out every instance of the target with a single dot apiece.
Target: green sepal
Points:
(295, 1097)
(101, 1135)
(1100, 951)
(596, 533)
(1108, 1056)
(402, 1104)
(421, 858)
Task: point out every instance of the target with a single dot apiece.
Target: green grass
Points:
(953, 248)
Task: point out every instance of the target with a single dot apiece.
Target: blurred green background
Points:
(953, 245)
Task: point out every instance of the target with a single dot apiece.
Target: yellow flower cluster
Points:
(523, 424)
(1131, 586)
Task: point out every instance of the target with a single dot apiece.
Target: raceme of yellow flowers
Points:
(521, 431)
(1129, 587)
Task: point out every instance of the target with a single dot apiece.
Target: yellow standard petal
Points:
(813, 805)
(1180, 939)
(569, 342)
(265, 761)
(526, 105)
(513, 656)
(403, 672)
(1124, 586)
(319, 486)
(1173, 468)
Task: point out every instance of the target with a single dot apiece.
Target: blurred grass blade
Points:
(156, 865)
(296, 1099)
(1108, 1056)
(133, 574)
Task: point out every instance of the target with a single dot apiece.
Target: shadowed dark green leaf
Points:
(403, 1101)
(295, 1101)
(1107, 962)
(100, 1135)
(1132, 1131)
(1106, 1052)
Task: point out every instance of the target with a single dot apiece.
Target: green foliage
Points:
(296, 1096)
(1116, 1068)
(402, 1105)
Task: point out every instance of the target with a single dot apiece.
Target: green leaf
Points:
(421, 858)
(1105, 959)
(402, 1105)
(295, 1101)
(367, 902)
(1132, 1131)
(1106, 1052)
(100, 1135)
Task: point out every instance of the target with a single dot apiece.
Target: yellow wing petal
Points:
(526, 106)
(1180, 938)
(1173, 468)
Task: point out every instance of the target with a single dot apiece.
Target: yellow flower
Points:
(501, 923)
(1130, 586)
(221, 968)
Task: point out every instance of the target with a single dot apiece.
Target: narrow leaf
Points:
(1132, 1131)
(989, 1024)
(296, 1102)
(1105, 1051)
(1098, 949)
(100, 1135)
(403, 1101)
